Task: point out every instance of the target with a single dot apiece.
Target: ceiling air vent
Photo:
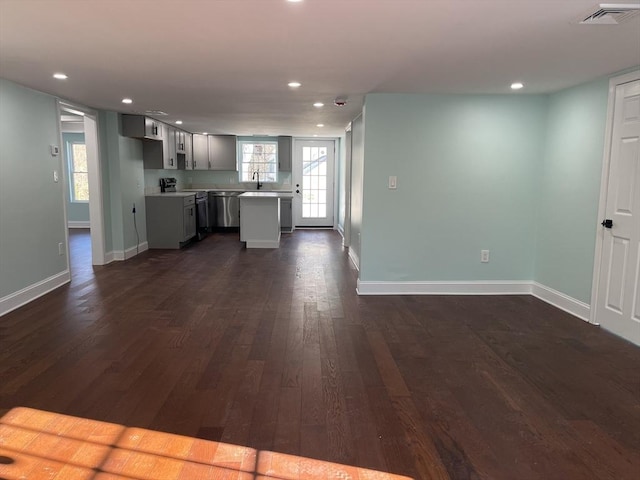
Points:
(610, 14)
(157, 113)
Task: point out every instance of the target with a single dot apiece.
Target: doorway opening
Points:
(83, 189)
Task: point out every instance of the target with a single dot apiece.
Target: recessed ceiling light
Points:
(294, 1)
(294, 84)
(60, 76)
(178, 122)
(205, 133)
(318, 104)
(320, 125)
(517, 85)
(127, 100)
(315, 135)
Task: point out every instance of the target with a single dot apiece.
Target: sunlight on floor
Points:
(35, 444)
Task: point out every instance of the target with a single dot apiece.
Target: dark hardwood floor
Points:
(273, 349)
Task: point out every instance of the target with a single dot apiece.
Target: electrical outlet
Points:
(60, 248)
(134, 208)
(484, 256)
(55, 176)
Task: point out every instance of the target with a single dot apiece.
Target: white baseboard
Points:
(445, 288)
(120, 255)
(109, 257)
(78, 224)
(561, 300)
(355, 260)
(30, 293)
(518, 287)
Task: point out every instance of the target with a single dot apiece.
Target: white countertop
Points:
(266, 195)
(242, 190)
(171, 194)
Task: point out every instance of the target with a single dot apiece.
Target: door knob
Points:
(608, 223)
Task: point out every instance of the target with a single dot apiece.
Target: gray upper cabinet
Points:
(200, 152)
(181, 141)
(170, 159)
(161, 155)
(139, 126)
(188, 152)
(284, 153)
(222, 152)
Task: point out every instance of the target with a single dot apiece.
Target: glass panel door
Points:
(313, 183)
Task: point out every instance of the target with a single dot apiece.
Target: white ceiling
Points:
(223, 66)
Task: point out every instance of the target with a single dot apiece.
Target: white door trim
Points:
(94, 167)
(346, 235)
(604, 183)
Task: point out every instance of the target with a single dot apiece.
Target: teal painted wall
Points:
(569, 189)
(30, 229)
(126, 178)
(76, 211)
(467, 169)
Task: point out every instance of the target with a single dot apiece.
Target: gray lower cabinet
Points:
(171, 220)
(285, 145)
(286, 215)
(223, 152)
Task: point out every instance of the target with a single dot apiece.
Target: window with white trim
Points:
(78, 176)
(258, 158)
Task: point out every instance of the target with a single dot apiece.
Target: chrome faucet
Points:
(257, 174)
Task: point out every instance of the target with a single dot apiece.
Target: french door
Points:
(313, 167)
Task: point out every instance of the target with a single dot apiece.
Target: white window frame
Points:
(72, 189)
(241, 162)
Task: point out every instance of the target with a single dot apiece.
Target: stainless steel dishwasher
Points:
(226, 206)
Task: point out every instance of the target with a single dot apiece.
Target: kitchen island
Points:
(260, 218)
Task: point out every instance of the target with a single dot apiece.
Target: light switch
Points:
(393, 183)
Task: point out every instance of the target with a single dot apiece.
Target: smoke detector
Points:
(610, 14)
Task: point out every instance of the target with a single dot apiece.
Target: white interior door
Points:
(313, 180)
(618, 294)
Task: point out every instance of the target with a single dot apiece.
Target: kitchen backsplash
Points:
(209, 179)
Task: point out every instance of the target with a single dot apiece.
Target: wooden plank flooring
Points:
(272, 350)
